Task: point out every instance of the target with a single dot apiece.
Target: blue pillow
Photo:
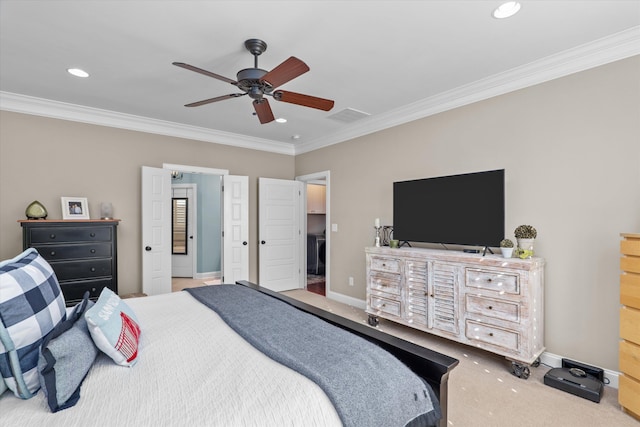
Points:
(67, 355)
(31, 305)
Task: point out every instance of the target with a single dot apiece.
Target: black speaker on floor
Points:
(575, 381)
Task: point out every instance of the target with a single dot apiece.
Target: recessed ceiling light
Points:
(505, 10)
(294, 137)
(77, 72)
(281, 120)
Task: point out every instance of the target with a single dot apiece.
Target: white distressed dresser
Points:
(489, 302)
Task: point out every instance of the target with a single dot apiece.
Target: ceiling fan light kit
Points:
(257, 83)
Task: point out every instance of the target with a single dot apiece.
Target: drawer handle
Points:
(93, 289)
(490, 307)
(490, 334)
(93, 251)
(92, 234)
(384, 265)
(52, 236)
(53, 253)
(489, 280)
(93, 269)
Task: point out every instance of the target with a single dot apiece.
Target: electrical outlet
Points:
(350, 281)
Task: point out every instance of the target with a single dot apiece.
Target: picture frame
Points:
(75, 208)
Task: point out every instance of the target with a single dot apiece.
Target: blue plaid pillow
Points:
(31, 305)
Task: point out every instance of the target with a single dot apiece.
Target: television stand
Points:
(484, 251)
(492, 303)
(404, 242)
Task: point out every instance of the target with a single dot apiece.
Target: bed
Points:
(194, 369)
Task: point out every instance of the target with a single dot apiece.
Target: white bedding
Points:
(193, 370)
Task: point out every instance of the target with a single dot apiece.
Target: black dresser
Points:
(83, 254)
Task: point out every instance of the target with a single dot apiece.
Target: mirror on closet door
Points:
(179, 226)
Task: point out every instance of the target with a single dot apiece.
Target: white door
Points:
(156, 230)
(184, 259)
(235, 251)
(280, 235)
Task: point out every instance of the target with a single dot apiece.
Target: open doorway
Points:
(317, 238)
(201, 264)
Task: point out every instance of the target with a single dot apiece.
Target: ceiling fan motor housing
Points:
(249, 81)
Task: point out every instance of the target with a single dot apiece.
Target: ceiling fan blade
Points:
(263, 110)
(304, 100)
(205, 72)
(216, 99)
(288, 70)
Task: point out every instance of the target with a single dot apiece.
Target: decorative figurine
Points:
(36, 211)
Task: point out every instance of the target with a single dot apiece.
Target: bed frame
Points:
(430, 365)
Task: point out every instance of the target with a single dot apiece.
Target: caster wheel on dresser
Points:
(520, 370)
(373, 320)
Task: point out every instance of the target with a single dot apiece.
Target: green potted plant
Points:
(525, 235)
(506, 246)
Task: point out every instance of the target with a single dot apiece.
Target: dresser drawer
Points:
(69, 270)
(628, 392)
(629, 321)
(391, 265)
(488, 334)
(74, 291)
(385, 305)
(490, 307)
(629, 359)
(69, 234)
(493, 281)
(630, 264)
(81, 250)
(385, 282)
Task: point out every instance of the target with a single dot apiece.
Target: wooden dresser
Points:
(488, 302)
(629, 381)
(83, 254)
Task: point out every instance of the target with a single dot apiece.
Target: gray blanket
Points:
(366, 384)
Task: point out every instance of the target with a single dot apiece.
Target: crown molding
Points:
(78, 113)
(600, 52)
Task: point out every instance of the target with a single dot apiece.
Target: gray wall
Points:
(44, 159)
(571, 151)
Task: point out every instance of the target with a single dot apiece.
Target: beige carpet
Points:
(482, 391)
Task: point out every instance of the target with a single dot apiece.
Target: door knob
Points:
(263, 242)
(244, 243)
(147, 248)
(191, 237)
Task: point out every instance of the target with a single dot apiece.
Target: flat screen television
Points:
(465, 209)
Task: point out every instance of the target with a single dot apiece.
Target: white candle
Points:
(377, 223)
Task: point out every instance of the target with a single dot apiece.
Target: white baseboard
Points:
(208, 275)
(345, 299)
(555, 361)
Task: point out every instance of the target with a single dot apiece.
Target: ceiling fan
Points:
(257, 83)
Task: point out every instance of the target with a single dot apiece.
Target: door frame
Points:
(310, 179)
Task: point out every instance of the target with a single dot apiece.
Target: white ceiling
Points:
(395, 60)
